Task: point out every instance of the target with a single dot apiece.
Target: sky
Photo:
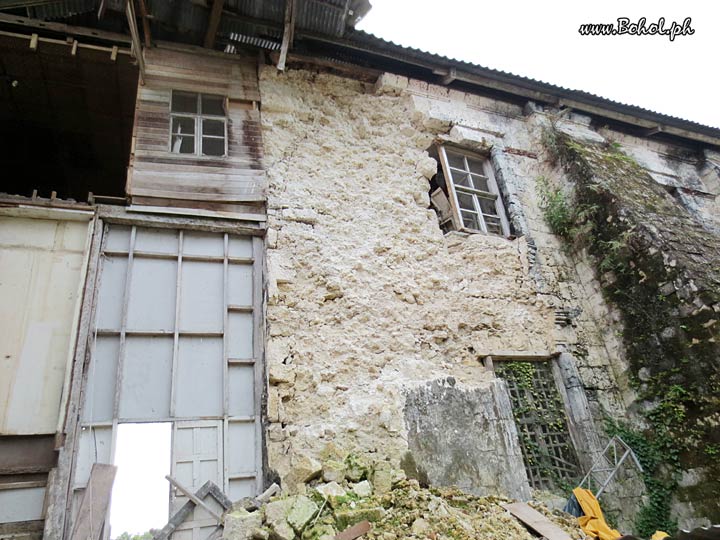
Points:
(540, 40)
(140, 491)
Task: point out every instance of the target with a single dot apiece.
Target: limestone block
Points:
(282, 531)
(302, 511)
(420, 527)
(349, 517)
(362, 489)
(320, 531)
(331, 489)
(239, 524)
(281, 373)
(276, 511)
(390, 84)
(382, 477)
(273, 405)
(333, 471)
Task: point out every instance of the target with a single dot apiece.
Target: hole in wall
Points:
(141, 494)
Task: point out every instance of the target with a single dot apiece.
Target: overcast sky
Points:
(540, 39)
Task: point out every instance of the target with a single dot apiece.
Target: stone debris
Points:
(395, 506)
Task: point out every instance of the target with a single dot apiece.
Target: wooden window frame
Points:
(475, 194)
(198, 118)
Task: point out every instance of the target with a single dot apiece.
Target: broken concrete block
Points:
(333, 471)
(240, 524)
(302, 511)
(362, 489)
(382, 477)
(346, 518)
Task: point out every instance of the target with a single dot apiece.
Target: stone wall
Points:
(371, 309)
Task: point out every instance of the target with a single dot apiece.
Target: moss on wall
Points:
(661, 267)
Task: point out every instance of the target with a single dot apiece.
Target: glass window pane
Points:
(460, 178)
(476, 166)
(184, 102)
(471, 220)
(488, 206)
(466, 201)
(213, 147)
(480, 182)
(183, 144)
(213, 105)
(493, 225)
(456, 160)
(213, 127)
(183, 125)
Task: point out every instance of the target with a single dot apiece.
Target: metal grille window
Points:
(198, 124)
(548, 452)
(474, 196)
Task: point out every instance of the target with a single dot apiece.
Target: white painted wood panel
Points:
(41, 266)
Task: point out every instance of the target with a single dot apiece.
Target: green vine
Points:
(654, 455)
(670, 343)
(532, 405)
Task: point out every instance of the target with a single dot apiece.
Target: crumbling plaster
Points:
(368, 301)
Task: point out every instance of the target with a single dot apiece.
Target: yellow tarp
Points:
(593, 522)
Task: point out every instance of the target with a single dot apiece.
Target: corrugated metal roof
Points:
(62, 9)
(331, 21)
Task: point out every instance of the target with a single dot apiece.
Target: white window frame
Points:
(198, 118)
(476, 194)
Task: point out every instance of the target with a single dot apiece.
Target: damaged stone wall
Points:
(658, 260)
(371, 310)
(367, 299)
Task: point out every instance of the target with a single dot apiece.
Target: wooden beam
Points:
(288, 32)
(146, 23)
(95, 502)
(197, 500)
(135, 35)
(63, 28)
(14, 4)
(101, 9)
(213, 23)
(536, 521)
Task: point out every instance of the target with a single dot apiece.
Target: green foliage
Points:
(532, 405)
(555, 207)
(654, 454)
(147, 535)
(569, 221)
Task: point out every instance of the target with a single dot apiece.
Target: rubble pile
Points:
(339, 494)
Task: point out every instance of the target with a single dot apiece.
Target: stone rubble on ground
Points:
(354, 490)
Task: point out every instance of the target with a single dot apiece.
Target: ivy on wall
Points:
(660, 266)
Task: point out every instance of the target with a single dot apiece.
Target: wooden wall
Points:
(232, 186)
